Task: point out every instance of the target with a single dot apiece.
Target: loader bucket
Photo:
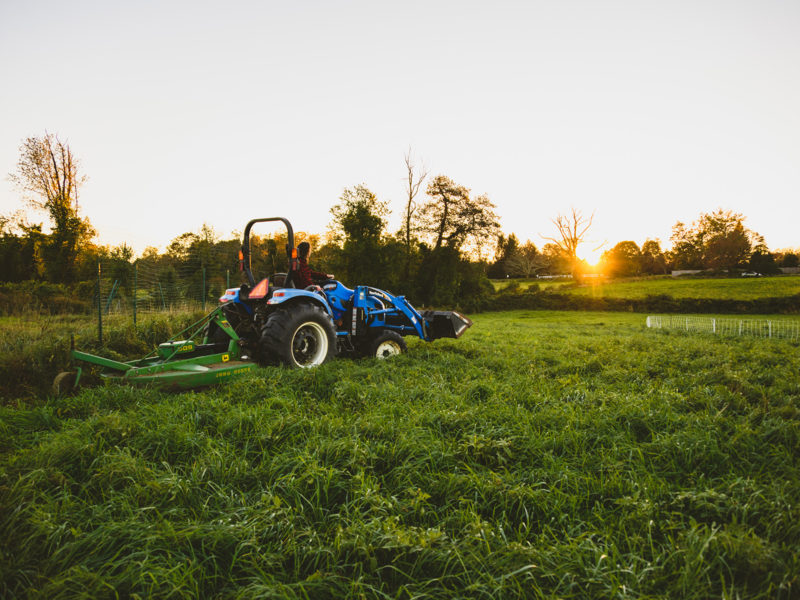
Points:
(445, 324)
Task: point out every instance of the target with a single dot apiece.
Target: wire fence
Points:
(147, 287)
(756, 328)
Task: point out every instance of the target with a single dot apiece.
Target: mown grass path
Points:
(541, 455)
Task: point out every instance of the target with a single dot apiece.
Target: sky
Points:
(639, 112)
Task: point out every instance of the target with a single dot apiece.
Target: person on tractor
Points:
(304, 276)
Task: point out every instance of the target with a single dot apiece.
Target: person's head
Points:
(303, 249)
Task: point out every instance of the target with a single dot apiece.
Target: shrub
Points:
(42, 298)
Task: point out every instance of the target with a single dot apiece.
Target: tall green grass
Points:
(542, 455)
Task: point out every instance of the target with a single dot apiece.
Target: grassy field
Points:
(541, 455)
(716, 288)
(524, 284)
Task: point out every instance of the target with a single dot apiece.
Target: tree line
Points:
(717, 242)
(448, 245)
(434, 258)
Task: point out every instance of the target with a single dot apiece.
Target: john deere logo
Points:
(226, 357)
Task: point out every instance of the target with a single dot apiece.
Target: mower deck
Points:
(197, 371)
(184, 377)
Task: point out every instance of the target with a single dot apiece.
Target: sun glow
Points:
(590, 255)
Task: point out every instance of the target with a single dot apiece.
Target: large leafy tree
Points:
(456, 225)
(359, 220)
(47, 174)
(623, 260)
(359, 215)
(687, 251)
(654, 262)
(726, 242)
(717, 240)
(452, 218)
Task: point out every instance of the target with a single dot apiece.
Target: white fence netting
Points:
(758, 328)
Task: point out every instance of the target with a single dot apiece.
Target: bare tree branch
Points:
(572, 230)
(47, 175)
(415, 179)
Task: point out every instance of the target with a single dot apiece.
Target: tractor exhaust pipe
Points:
(445, 324)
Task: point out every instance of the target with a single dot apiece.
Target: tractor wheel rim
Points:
(309, 345)
(387, 349)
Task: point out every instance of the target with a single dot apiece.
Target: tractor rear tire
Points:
(387, 344)
(301, 336)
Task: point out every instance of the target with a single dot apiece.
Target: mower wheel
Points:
(64, 383)
(301, 336)
(386, 345)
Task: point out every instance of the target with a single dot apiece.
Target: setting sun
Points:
(590, 255)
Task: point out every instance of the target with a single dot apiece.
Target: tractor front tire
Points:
(301, 336)
(386, 345)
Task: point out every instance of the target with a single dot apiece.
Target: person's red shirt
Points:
(304, 275)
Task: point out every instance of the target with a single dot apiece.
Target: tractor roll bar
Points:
(246, 266)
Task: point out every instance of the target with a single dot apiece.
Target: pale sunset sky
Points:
(183, 113)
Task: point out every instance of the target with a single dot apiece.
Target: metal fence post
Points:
(99, 307)
(135, 286)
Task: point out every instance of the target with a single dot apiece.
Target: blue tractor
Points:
(275, 322)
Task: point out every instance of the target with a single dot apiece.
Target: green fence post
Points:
(204, 289)
(99, 307)
(135, 290)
